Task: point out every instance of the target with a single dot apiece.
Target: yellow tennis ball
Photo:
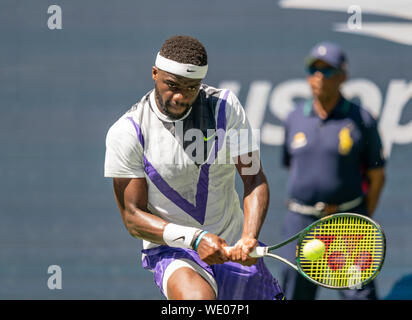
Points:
(313, 249)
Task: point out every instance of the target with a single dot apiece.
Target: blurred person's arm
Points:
(376, 178)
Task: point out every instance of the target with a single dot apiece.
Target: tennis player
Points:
(173, 158)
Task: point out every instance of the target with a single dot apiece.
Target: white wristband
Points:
(180, 236)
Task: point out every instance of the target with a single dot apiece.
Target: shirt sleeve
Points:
(124, 154)
(373, 154)
(242, 139)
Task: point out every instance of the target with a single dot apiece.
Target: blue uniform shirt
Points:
(325, 157)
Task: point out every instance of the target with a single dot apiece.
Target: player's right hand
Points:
(211, 249)
(241, 250)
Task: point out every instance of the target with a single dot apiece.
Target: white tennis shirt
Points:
(190, 181)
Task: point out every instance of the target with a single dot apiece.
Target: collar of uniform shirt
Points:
(341, 108)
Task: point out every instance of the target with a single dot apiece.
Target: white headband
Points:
(185, 70)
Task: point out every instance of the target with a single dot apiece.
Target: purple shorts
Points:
(234, 281)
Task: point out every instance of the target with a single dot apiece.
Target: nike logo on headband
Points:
(190, 70)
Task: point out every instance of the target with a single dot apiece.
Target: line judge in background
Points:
(334, 154)
(179, 199)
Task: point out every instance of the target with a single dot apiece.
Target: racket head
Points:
(355, 248)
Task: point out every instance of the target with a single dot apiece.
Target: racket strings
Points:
(354, 251)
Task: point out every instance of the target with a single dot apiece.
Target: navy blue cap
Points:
(328, 52)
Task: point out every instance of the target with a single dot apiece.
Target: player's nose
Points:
(180, 98)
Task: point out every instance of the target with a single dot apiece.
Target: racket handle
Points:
(258, 252)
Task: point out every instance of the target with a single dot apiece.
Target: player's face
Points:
(325, 80)
(174, 94)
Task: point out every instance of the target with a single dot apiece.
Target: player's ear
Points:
(155, 73)
(344, 75)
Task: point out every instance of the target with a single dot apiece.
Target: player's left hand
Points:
(240, 251)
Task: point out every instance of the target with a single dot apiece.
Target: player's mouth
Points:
(178, 108)
(176, 111)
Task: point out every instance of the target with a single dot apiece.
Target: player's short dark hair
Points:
(184, 49)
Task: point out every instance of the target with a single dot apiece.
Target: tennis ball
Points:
(313, 249)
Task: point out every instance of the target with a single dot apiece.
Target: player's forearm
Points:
(255, 203)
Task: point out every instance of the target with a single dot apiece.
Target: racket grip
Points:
(258, 252)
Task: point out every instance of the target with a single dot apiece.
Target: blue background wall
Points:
(60, 90)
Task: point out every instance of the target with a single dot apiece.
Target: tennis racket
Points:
(354, 251)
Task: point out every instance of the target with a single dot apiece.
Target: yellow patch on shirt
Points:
(345, 141)
(299, 140)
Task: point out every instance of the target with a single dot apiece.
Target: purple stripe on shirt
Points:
(138, 131)
(197, 212)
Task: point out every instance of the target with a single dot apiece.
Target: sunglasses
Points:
(327, 72)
